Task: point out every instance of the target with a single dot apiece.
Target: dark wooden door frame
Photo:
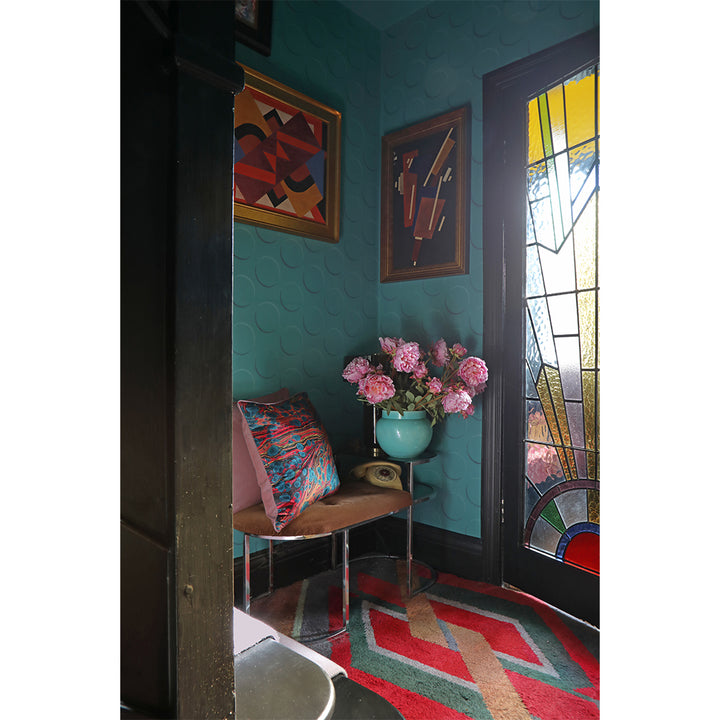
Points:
(502, 311)
(178, 79)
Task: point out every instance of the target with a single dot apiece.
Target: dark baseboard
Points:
(443, 550)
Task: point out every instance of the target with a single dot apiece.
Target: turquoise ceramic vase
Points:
(403, 436)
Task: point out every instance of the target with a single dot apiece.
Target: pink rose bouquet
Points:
(401, 380)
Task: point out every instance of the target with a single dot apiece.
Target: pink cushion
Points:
(247, 467)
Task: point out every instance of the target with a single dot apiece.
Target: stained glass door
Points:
(561, 448)
(541, 461)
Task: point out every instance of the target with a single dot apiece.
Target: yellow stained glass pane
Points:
(594, 506)
(535, 151)
(557, 118)
(586, 246)
(580, 109)
(588, 319)
(556, 392)
(589, 395)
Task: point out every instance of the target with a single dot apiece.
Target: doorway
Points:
(541, 443)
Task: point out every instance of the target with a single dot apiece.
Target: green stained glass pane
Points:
(556, 107)
(545, 125)
(552, 515)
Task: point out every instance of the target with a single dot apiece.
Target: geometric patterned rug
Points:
(460, 650)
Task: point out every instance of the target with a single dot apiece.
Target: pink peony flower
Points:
(439, 353)
(406, 357)
(389, 345)
(435, 386)
(459, 350)
(420, 371)
(456, 401)
(376, 388)
(356, 370)
(473, 371)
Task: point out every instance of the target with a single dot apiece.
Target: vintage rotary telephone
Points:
(382, 474)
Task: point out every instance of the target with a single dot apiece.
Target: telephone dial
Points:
(382, 474)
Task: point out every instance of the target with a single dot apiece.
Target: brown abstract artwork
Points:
(424, 199)
(286, 160)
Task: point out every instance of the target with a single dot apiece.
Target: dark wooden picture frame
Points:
(253, 24)
(287, 160)
(425, 192)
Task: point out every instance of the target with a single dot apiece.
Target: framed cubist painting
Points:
(286, 160)
(253, 24)
(425, 178)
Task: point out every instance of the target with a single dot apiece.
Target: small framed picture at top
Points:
(253, 24)
(425, 195)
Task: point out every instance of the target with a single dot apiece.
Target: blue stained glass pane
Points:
(532, 353)
(584, 195)
(530, 389)
(533, 275)
(581, 161)
(529, 229)
(543, 222)
(537, 182)
(543, 331)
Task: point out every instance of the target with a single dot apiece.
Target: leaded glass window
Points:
(562, 516)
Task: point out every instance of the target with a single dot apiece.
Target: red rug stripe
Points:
(574, 647)
(394, 635)
(550, 703)
(501, 635)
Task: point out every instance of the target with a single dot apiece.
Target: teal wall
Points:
(301, 305)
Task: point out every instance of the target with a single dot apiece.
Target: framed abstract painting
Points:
(286, 160)
(253, 24)
(425, 179)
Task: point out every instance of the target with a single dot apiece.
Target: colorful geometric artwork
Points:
(424, 187)
(286, 160)
(562, 516)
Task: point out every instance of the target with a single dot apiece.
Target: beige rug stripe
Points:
(421, 617)
(498, 692)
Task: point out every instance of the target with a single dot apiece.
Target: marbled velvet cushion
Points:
(296, 455)
(245, 459)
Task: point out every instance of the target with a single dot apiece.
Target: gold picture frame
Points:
(425, 194)
(287, 160)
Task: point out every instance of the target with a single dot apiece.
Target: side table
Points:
(420, 493)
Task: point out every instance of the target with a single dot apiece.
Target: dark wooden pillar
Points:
(178, 79)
